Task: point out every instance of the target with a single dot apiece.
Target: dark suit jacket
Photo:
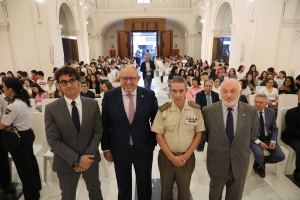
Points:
(201, 98)
(143, 68)
(270, 123)
(62, 135)
(220, 154)
(117, 129)
(243, 98)
(292, 121)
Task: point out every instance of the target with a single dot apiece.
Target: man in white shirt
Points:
(266, 139)
(42, 80)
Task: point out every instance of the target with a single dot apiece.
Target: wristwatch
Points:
(76, 163)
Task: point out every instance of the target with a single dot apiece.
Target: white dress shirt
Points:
(234, 114)
(148, 67)
(266, 132)
(78, 105)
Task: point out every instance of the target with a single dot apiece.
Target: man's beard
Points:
(230, 105)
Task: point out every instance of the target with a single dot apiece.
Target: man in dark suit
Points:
(147, 67)
(291, 135)
(230, 125)
(243, 98)
(74, 131)
(127, 137)
(205, 98)
(266, 138)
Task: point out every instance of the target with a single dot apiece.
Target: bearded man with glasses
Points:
(127, 137)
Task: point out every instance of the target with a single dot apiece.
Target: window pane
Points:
(143, 1)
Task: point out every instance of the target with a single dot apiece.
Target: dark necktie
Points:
(229, 125)
(75, 117)
(262, 136)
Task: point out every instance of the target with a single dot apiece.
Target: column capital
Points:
(59, 28)
(232, 27)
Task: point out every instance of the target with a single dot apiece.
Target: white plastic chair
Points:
(258, 83)
(286, 101)
(292, 153)
(45, 102)
(93, 90)
(32, 103)
(251, 161)
(251, 99)
(116, 84)
(258, 88)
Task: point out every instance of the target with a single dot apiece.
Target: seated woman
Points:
(280, 78)
(271, 93)
(58, 92)
(173, 74)
(188, 81)
(245, 89)
(38, 94)
(289, 87)
(269, 75)
(216, 87)
(263, 76)
(94, 84)
(50, 87)
(241, 72)
(106, 85)
(194, 89)
(27, 87)
(250, 82)
(182, 73)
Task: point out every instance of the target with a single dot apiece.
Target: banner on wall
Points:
(112, 46)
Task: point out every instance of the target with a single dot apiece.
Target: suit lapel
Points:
(85, 111)
(65, 111)
(204, 98)
(240, 121)
(120, 104)
(219, 119)
(139, 102)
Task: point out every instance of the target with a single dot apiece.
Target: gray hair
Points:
(137, 72)
(208, 81)
(262, 95)
(148, 54)
(231, 79)
(178, 79)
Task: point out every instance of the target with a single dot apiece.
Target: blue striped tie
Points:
(229, 126)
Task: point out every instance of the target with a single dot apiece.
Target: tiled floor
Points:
(256, 188)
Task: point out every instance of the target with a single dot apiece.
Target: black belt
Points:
(131, 146)
(178, 154)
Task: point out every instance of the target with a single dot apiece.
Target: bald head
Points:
(230, 92)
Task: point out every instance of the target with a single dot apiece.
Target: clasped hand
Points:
(179, 161)
(85, 163)
(264, 146)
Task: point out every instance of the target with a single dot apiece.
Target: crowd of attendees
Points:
(100, 73)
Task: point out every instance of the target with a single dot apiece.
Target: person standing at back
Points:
(74, 130)
(147, 67)
(230, 125)
(127, 138)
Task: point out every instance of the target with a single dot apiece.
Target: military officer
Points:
(19, 114)
(178, 125)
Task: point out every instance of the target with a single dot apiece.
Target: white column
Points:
(5, 50)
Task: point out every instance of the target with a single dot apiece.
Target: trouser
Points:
(68, 183)
(27, 166)
(234, 187)
(4, 166)
(294, 143)
(169, 173)
(147, 81)
(161, 79)
(276, 155)
(143, 172)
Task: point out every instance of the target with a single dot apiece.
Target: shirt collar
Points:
(263, 111)
(207, 93)
(69, 101)
(234, 108)
(174, 107)
(124, 93)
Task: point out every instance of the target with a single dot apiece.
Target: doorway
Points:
(70, 49)
(221, 49)
(144, 42)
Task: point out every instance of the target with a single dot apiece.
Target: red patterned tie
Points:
(131, 113)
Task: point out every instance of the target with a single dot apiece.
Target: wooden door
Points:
(166, 43)
(124, 43)
(214, 50)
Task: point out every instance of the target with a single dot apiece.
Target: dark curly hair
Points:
(67, 71)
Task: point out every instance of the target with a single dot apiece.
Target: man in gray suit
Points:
(230, 125)
(74, 131)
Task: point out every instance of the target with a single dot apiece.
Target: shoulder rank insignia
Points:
(194, 105)
(7, 111)
(165, 107)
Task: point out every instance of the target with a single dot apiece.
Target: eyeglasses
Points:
(51, 80)
(271, 82)
(65, 83)
(126, 79)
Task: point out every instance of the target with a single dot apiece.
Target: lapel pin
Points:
(244, 115)
(142, 95)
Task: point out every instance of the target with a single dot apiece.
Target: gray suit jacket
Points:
(220, 154)
(62, 135)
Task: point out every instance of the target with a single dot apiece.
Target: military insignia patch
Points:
(7, 111)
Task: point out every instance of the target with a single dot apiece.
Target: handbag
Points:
(10, 139)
